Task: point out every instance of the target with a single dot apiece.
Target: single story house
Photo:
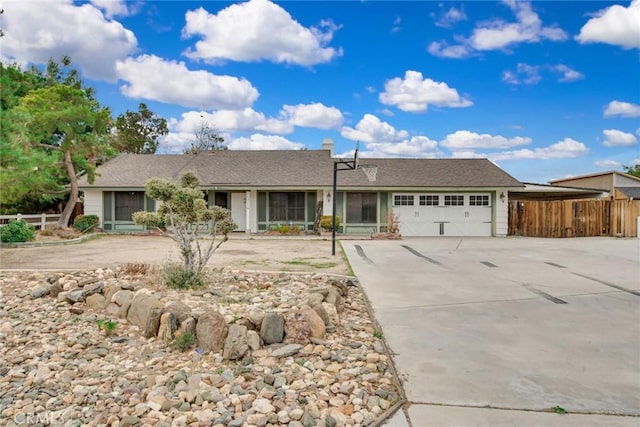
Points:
(264, 189)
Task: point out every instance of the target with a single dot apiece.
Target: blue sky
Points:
(544, 89)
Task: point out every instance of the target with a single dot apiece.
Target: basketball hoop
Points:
(370, 171)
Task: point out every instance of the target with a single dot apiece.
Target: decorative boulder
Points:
(236, 345)
(211, 330)
(142, 305)
(272, 328)
(316, 324)
(180, 311)
(167, 327)
(296, 328)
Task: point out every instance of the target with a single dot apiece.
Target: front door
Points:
(239, 210)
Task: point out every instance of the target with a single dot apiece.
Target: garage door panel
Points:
(466, 220)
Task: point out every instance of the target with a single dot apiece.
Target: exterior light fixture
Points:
(502, 196)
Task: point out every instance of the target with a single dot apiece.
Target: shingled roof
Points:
(296, 169)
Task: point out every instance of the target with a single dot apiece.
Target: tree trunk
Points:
(73, 195)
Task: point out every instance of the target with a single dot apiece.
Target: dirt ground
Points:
(259, 253)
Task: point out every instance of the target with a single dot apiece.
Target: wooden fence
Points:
(574, 218)
(39, 221)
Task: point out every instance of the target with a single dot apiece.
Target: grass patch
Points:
(310, 262)
(558, 410)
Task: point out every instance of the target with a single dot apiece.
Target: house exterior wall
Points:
(600, 182)
(501, 214)
(93, 204)
(625, 181)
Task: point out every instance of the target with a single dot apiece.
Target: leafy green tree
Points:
(138, 132)
(32, 169)
(185, 214)
(632, 170)
(207, 139)
(68, 121)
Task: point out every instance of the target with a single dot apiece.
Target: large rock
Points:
(167, 328)
(211, 331)
(297, 328)
(332, 312)
(272, 328)
(180, 311)
(119, 303)
(316, 324)
(93, 288)
(336, 299)
(253, 339)
(152, 326)
(143, 303)
(236, 345)
(95, 301)
(188, 326)
(320, 310)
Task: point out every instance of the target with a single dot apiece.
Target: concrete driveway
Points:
(497, 331)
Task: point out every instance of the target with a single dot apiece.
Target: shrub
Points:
(134, 268)
(174, 276)
(185, 341)
(326, 222)
(17, 232)
(86, 223)
(109, 326)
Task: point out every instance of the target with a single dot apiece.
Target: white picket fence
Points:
(39, 221)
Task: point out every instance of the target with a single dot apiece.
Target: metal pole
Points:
(333, 211)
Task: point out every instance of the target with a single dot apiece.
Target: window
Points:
(361, 208)
(286, 207)
(221, 199)
(429, 200)
(454, 200)
(128, 202)
(478, 200)
(403, 200)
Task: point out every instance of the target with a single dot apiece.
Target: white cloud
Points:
(396, 25)
(616, 25)
(464, 139)
(442, 49)
(112, 8)
(524, 74)
(416, 146)
(37, 31)
(153, 78)
(608, 164)
(498, 34)
(617, 138)
(565, 149)
(528, 28)
(245, 120)
(258, 30)
(449, 17)
(622, 109)
(415, 93)
(567, 74)
(371, 129)
(264, 142)
(530, 74)
(314, 115)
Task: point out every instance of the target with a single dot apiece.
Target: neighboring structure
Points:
(263, 189)
(542, 192)
(619, 185)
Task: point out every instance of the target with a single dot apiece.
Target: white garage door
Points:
(443, 214)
